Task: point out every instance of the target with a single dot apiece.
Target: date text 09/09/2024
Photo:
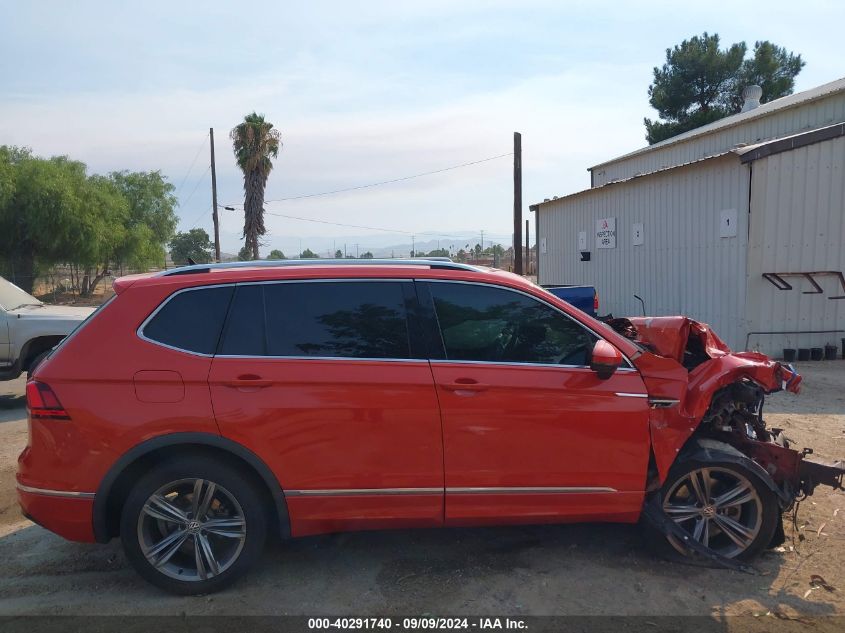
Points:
(417, 623)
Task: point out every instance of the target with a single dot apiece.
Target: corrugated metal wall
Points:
(825, 111)
(683, 267)
(797, 225)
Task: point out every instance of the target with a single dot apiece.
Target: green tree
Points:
(771, 67)
(255, 143)
(308, 254)
(103, 228)
(276, 254)
(195, 244)
(54, 212)
(245, 254)
(152, 217)
(701, 83)
(367, 255)
(438, 252)
(338, 254)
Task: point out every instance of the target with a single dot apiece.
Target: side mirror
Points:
(605, 359)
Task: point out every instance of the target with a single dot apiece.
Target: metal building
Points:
(740, 224)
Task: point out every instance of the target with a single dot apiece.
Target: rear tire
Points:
(193, 525)
(723, 504)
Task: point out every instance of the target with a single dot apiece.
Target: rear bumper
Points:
(68, 514)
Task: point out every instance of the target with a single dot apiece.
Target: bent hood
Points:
(670, 336)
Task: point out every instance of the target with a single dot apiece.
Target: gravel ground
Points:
(548, 570)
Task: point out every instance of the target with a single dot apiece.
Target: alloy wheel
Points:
(191, 529)
(718, 507)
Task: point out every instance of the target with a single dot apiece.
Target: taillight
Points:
(43, 403)
(596, 301)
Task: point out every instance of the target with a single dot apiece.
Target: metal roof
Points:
(789, 101)
(621, 181)
(748, 153)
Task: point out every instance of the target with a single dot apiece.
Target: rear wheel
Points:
(724, 505)
(193, 526)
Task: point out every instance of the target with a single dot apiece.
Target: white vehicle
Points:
(29, 328)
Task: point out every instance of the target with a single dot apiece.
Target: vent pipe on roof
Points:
(751, 95)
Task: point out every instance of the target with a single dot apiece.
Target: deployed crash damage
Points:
(707, 408)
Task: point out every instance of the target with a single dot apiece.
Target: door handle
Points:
(466, 385)
(248, 381)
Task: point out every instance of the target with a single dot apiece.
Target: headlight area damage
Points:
(707, 403)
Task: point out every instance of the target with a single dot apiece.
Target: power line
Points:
(193, 162)
(375, 228)
(200, 216)
(384, 182)
(199, 182)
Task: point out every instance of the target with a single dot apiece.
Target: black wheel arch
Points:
(36, 347)
(140, 455)
(706, 449)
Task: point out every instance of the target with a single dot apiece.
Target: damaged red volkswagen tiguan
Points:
(205, 409)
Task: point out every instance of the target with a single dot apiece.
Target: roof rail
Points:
(432, 262)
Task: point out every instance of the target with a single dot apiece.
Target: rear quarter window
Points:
(190, 320)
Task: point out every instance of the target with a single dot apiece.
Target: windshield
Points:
(12, 297)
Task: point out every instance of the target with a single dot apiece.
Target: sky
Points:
(364, 92)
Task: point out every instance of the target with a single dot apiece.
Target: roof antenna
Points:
(641, 302)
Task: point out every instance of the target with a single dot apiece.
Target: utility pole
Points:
(482, 241)
(214, 198)
(527, 251)
(517, 203)
(413, 247)
(356, 252)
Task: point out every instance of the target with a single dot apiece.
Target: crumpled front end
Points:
(699, 387)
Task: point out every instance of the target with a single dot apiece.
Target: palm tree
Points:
(255, 143)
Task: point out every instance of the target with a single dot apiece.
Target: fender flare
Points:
(100, 511)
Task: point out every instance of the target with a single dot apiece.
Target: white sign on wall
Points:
(637, 234)
(582, 240)
(727, 223)
(606, 233)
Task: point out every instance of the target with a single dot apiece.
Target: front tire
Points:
(193, 525)
(722, 504)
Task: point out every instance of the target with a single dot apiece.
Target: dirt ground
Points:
(549, 570)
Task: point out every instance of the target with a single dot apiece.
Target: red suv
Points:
(205, 408)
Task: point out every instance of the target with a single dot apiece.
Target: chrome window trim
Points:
(504, 490)
(538, 299)
(140, 331)
(625, 394)
(440, 361)
(56, 493)
(333, 358)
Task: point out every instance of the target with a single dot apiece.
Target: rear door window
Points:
(343, 319)
(489, 324)
(191, 320)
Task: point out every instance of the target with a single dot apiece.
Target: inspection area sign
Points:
(606, 233)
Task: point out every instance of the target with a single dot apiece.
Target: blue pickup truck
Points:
(585, 298)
